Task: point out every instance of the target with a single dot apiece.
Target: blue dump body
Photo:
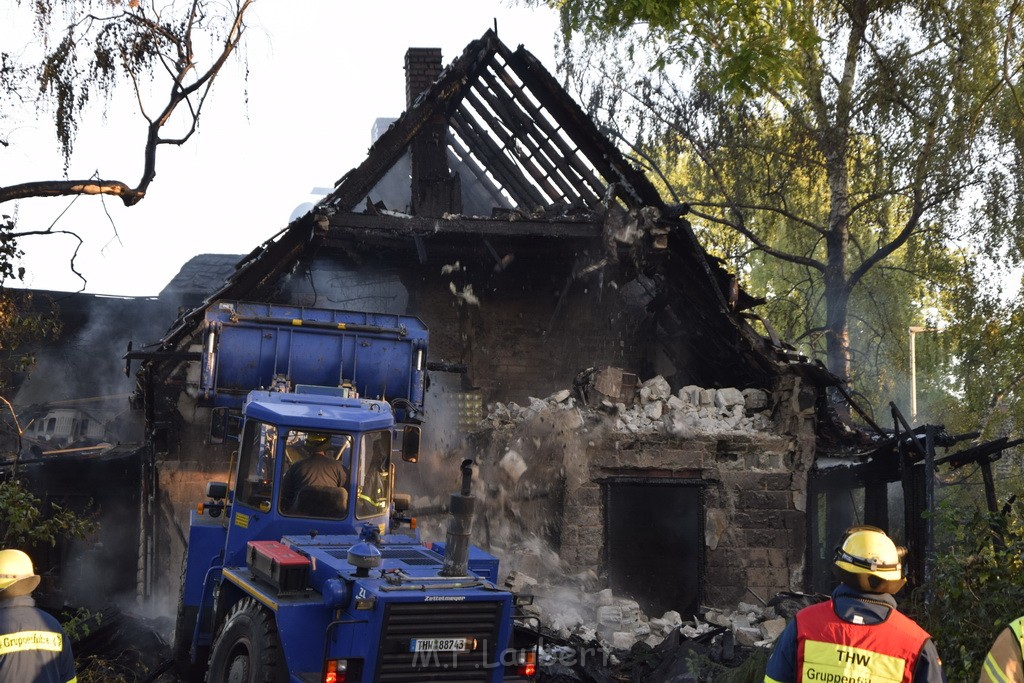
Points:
(249, 345)
(337, 593)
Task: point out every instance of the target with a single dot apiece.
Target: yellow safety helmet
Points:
(16, 574)
(868, 560)
(317, 440)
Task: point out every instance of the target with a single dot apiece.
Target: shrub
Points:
(977, 584)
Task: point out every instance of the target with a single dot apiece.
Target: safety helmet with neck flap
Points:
(869, 561)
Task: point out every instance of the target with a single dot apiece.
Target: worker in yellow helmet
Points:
(1004, 662)
(318, 469)
(33, 646)
(857, 635)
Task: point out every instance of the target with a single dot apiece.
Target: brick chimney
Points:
(422, 67)
(435, 189)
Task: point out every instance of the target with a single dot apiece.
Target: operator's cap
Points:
(16, 574)
(318, 440)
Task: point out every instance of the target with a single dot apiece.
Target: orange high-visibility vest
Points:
(831, 650)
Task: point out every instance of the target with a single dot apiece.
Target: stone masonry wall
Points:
(755, 493)
(754, 536)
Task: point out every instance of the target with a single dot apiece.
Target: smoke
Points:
(529, 460)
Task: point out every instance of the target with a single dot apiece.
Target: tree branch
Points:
(68, 188)
(761, 244)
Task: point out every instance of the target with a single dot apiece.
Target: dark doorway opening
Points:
(654, 541)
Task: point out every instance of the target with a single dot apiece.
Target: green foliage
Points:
(80, 623)
(857, 164)
(977, 584)
(25, 521)
(751, 670)
(23, 327)
(120, 667)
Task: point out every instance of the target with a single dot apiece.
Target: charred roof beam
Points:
(343, 224)
(524, 194)
(510, 148)
(543, 154)
(594, 145)
(550, 133)
(470, 162)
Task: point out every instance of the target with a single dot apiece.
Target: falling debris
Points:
(465, 294)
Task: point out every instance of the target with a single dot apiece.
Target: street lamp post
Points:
(914, 330)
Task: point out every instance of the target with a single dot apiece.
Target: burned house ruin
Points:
(494, 210)
(606, 372)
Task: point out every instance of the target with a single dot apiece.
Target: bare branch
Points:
(178, 69)
(67, 188)
(761, 244)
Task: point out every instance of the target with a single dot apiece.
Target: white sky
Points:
(318, 78)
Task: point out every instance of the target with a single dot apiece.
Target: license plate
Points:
(438, 645)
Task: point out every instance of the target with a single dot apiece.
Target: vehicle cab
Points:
(309, 461)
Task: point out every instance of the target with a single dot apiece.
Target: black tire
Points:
(247, 648)
(184, 627)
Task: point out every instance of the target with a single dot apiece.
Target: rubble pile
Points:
(654, 408)
(616, 623)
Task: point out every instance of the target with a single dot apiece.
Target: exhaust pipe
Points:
(460, 524)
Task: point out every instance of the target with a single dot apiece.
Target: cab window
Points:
(373, 484)
(256, 458)
(315, 474)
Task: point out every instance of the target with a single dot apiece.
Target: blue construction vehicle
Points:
(302, 578)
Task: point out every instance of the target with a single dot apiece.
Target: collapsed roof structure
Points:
(493, 161)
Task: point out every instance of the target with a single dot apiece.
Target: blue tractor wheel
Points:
(247, 649)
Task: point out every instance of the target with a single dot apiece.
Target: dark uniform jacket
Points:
(33, 646)
(316, 470)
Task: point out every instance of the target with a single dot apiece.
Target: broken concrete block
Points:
(605, 597)
(615, 384)
(772, 629)
(739, 620)
(628, 604)
(653, 410)
(747, 636)
(690, 394)
(518, 582)
(537, 405)
(659, 626)
(513, 465)
(717, 618)
(622, 640)
(559, 396)
(755, 399)
(716, 523)
(676, 403)
(585, 633)
(609, 615)
(655, 389)
(673, 618)
(681, 425)
(690, 632)
(751, 609)
(707, 397)
(728, 397)
(654, 640)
